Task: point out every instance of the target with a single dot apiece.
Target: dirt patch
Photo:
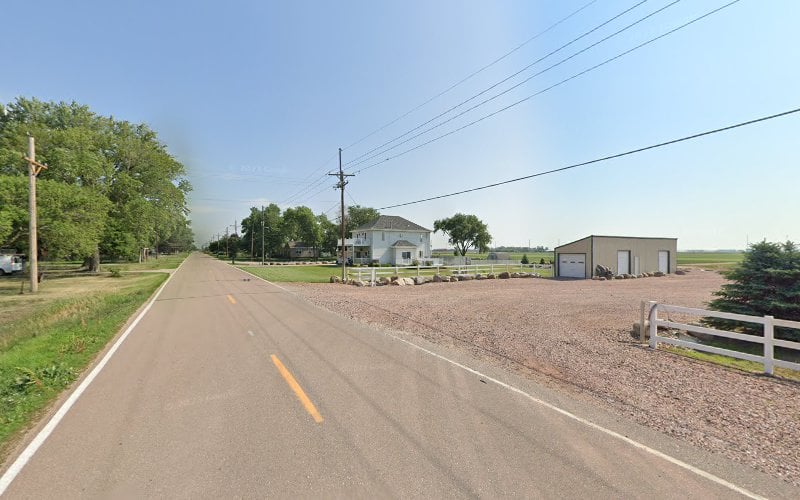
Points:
(577, 334)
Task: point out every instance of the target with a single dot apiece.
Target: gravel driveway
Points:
(578, 334)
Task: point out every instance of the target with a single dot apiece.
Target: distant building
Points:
(388, 240)
(296, 250)
(622, 254)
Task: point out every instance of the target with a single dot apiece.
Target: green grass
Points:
(710, 260)
(47, 348)
(152, 264)
(299, 274)
(735, 363)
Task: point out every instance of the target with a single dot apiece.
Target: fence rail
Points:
(768, 340)
(372, 274)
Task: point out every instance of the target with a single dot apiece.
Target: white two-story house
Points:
(389, 240)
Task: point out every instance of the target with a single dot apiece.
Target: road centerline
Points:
(299, 392)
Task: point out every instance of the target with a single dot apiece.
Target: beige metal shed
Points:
(622, 254)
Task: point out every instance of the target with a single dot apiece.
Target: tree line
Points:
(111, 188)
(296, 224)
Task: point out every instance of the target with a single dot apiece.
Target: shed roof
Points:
(592, 236)
(391, 222)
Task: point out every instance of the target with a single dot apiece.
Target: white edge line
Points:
(588, 423)
(38, 441)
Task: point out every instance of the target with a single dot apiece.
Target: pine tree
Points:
(767, 282)
(524, 259)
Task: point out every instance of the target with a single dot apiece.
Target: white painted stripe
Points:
(48, 429)
(588, 423)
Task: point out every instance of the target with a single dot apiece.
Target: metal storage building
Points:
(622, 254)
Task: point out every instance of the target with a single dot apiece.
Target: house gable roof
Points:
(392, 222)
(403, 244)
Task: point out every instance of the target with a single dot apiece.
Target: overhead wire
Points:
(451, 87)
(540, 92)
(602, 159)
(473, 74)
(358, 160)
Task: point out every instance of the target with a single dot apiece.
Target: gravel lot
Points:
(577, 334)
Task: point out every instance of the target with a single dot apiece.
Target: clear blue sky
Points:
(254, 97)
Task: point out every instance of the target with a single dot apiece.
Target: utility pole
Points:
(263, 255)
(226, 242)
(340, 185)
(252, 241)
(34, 168)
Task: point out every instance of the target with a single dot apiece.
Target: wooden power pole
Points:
(34, 168)
(340, 185)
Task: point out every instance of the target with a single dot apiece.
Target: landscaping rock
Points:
(336, 279)
(491, 277)
(438, 278)
(504, 275)
(658, 274)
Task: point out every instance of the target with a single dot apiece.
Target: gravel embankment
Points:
(578, 334)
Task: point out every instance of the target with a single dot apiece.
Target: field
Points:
(715, 261)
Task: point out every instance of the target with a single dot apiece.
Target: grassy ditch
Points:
(45, 349)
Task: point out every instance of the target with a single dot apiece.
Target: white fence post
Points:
(373, 277)
(769, 345)
(653, 315)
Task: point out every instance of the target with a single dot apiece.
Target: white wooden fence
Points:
(372, 274)
(768, 340)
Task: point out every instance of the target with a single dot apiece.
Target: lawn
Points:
(302, 274)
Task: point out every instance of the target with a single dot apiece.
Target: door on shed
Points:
(663, 261)
(572, 265)
(623, 261)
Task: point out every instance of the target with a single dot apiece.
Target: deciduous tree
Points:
(464, 232)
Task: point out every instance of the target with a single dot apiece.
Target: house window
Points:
(383, 236)
(420, 253)
(420, 238)
(406, 255)
(401, 235)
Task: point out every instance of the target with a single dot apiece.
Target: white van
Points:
(10, 264)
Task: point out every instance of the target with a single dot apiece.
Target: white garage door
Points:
(572, 265)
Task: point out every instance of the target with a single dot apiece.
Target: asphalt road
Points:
(231, 387)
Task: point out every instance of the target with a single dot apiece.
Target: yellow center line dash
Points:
(231, 299)
(301, 395)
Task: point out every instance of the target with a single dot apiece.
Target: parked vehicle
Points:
(11, 264)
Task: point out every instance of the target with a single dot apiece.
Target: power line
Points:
(358, 160)
(474, 73)
(531, 96)
(605, 158)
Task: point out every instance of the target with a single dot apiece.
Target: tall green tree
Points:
(767, 282)
(71, 219)
(358, 216)
(300, 224)
(329, 234)
(121, 161)
(464, 232)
